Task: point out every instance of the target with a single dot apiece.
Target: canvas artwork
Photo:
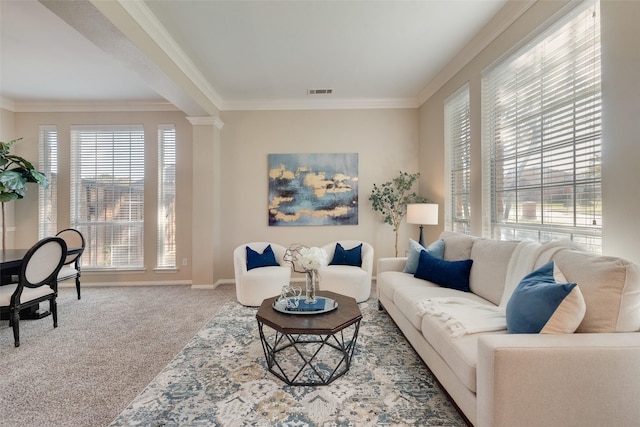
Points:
(313, 189)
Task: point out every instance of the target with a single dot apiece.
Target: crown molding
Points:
(141, 13)
(500, 22)
(85, 106)
(319, 104)
(206, 120)
(7, 104)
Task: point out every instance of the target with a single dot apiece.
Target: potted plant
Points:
(15, 173)
(392, 197)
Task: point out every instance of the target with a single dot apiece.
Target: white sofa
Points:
(588, 378)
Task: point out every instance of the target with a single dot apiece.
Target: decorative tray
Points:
(294, 305)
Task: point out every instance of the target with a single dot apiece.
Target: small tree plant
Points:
(392, 197)
(15, 173)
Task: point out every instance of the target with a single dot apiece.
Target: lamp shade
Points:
(422, 213)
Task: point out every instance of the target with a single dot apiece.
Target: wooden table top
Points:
(346, 314)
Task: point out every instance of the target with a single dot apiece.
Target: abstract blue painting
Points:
(313, 189)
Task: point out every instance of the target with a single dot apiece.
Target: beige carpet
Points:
(106, 349)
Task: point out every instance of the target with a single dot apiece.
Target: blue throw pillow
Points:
(436, 249)
(541, 305)
(450, 274)
(265, 259)
(353, 256)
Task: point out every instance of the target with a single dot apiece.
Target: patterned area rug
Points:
(220, 378)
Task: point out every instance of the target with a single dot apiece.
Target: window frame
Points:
(457, 141)
(114, 195)
(47, 197)
(496, 140)
(166, 257)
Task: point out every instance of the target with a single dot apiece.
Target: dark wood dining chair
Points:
(36, 282)
(75, 247)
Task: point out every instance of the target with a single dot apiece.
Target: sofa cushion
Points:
(435, 249)
(457, 246)
(412, 290)
(490, 261)
(541, 305)
(352, 257)
(265, 259)
(611, 290)
(460, 354)
(450, 274)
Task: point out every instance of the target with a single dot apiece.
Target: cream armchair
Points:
(353, 281)
(256, 284)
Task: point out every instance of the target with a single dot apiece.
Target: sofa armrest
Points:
(559, 380)
(391, 264)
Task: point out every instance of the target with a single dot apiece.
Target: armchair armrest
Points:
(390, 264)
(560, 380)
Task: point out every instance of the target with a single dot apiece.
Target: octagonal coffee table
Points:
(309, 349)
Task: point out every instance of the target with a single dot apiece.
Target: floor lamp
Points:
(423, 214)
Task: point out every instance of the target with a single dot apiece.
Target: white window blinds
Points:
(166, 197)
(541, 136)
(47, 197)
(458, 161)
(107, 194)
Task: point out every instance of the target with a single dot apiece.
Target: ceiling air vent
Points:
(319, 91)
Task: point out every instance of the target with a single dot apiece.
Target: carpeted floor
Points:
(220, 378)
(106, 349)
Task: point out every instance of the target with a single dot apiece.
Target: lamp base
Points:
(421, 241)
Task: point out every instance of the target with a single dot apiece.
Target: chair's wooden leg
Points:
(78, 286)
(15, 316)
(53, 308)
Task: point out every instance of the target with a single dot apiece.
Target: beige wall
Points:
(385, 140)
(621, 109)
(7, 133)
(26, 210)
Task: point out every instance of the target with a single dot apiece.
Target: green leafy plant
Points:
(392, 197)
(15, 173)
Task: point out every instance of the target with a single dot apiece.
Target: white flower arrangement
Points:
(309, 259)
(312, 258)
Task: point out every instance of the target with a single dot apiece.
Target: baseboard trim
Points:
(72, 284)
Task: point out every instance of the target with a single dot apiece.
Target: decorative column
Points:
(205, 216)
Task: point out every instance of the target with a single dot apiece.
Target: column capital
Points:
(206, 120)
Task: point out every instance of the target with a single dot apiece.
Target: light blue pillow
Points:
(541, 305)
(450, 274)
(436, 250)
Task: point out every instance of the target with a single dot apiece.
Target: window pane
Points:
(107, 194)
(541, 117)
(47, 197)
(166, 197)
(458, 162)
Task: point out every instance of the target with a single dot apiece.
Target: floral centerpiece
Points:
(310, 259)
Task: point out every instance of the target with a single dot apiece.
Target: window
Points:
(541, 136)
(48, 164)
(167, 197)
(107, 194)
(457, 210)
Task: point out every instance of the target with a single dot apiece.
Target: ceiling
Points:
(203, 56)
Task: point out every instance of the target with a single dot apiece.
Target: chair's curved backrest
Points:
(240, 254)
(367, 252)
(42, 262)
(252, 287)
(74, 240)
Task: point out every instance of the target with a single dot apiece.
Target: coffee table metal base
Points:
(322, 357)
